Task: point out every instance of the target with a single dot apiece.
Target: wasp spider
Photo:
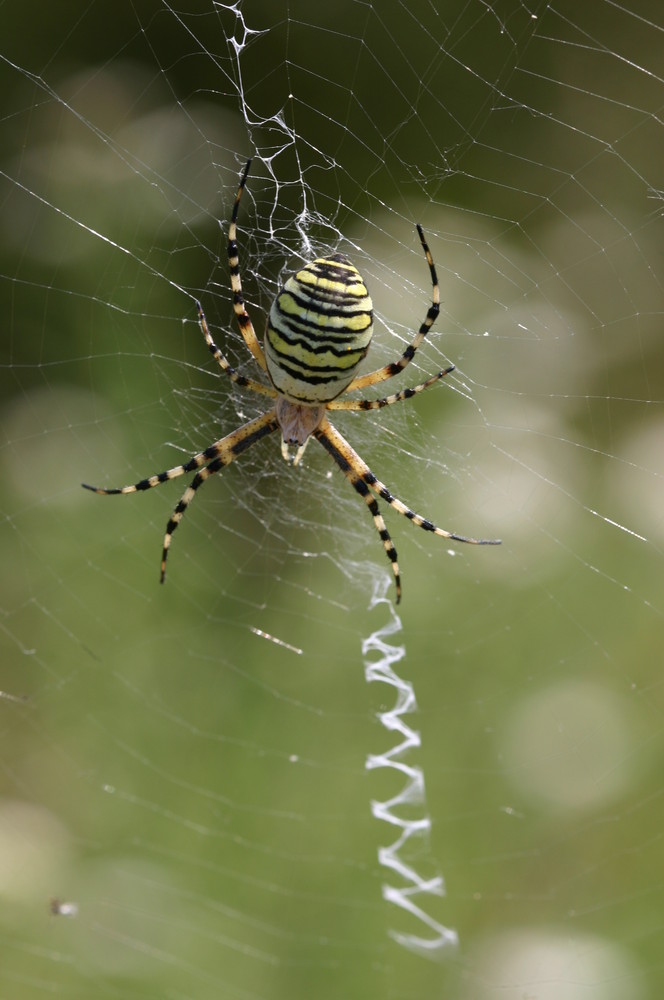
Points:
(318, 331)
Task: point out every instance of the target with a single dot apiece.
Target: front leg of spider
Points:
(318, 332)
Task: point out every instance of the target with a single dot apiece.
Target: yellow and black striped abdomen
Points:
(318, 330)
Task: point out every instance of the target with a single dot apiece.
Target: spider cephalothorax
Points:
(318, 332)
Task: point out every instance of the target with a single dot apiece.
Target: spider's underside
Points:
(319, 330)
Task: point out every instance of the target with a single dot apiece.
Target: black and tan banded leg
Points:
(202, 458)
(243, 318)
(337, 446)
(422, 522)
(397, 397)
(362, 470)
(226, 451)
(388, 371)
(218, 455)
(224, 364)
(358, 472)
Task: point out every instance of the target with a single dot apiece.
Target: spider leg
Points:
(247, 383)
(243, 319)
(223, 452)
(161, 477)
(396, 397)
(336, 446)
(388, 371)
(358, 472)
(219, 454)
(226, 451)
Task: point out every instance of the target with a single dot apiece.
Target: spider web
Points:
(263, 780)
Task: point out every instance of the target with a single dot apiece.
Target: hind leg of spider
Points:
(357, 471)
(422, 522)
(218, 455)
(247, 431)
(160, 477)
(357, 482)
(227, 450)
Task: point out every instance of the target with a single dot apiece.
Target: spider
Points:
(318, 331)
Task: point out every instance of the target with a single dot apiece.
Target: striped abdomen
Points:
(318, 330)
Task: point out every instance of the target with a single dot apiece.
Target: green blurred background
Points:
(186, 764)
